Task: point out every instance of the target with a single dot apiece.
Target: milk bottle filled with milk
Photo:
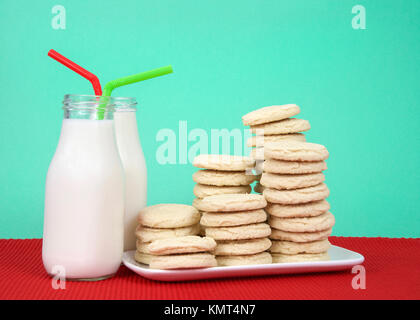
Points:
(84, 197)
(134, 165)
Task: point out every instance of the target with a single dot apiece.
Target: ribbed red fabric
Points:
(392, 272)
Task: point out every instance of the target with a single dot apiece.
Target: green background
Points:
(358, 88)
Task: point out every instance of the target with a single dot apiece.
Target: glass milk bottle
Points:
(134, 165)
(84, 197)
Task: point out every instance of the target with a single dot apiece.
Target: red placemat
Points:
(392, 272)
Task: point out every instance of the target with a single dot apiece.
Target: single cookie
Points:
(242, 247)
(223, 178)
(286, 126)
(299, 236)
(145, 234)
(230, 202)
(310, 224)
(259, 188)
(293, 167)
(259, 258)
(288, 247)
(202, 190)
(291, 181)
(187, 244)
(295, 151)
(183, 261)
(269, 114)
(250, 231)
(211, 219)
(222, 162)
(302, 257)
(310, 209)
(142, 257)
(304, 195)
(169, 216)
(259, 141)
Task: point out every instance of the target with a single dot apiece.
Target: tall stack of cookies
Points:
(273, 124)
(299, 215)
(238, 224)
(167, 238)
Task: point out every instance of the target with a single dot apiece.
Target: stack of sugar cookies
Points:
(293, 186)
(237, 223)
(222, 174)
(167, 238)
(273, 124)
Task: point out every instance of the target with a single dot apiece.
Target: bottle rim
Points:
(87, 102)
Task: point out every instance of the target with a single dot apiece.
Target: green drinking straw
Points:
(128, 80)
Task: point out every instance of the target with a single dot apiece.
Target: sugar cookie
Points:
(304, 195)
(309, 209)
(146, 234)
(169, 216)
(241, 247)
(230, 202)
(222, 162)
(295, 151)
(250, 231)
(223, 178)
(309, 224)
(286, 126)
(259, 258)
(291, 181)
(288, 247)
(224, 219)
(299, 236)
(269, 114)
(302, 257)
(186, 244)
(261, 140)
(183, 261)
(293, 167)
(202, 190)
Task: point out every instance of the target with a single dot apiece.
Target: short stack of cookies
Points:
(238, 224)
(167, 238)
(222, 174)
(299, 215)
(273, 124)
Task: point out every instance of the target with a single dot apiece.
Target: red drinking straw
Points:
(78, 69)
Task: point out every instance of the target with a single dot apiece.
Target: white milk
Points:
(84, 202)
(135, 171)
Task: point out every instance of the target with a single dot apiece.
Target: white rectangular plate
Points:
(340, 259)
